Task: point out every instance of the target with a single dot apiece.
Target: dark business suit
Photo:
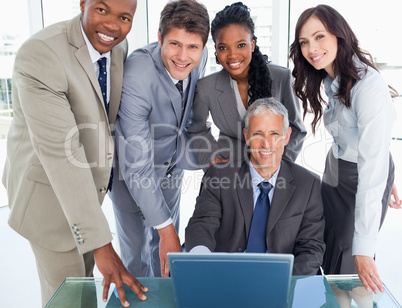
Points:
(224, 210)
(215, 96)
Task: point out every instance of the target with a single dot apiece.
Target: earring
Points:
(216, 58)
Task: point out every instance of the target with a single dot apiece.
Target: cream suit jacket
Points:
(60, 148)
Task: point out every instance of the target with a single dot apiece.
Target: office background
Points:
(376, 23)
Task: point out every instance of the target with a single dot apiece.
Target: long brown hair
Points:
(308, 80)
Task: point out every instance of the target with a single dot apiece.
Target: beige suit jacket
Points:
(59, 148)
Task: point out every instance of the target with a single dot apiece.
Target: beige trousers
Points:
(53, 267)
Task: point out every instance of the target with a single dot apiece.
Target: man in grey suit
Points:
(60, 148)
(158, 90)
(229, 214)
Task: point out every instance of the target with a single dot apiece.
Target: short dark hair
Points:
(189, 15)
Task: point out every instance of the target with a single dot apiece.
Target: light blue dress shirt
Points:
(361, 134)
(256, 179)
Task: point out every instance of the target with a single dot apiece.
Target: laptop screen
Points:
(231, 279)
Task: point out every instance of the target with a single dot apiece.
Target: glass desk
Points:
(306, 291)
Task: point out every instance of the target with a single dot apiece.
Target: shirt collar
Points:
(93, 53)
(331, 85)
(185, 81)
(256, 178)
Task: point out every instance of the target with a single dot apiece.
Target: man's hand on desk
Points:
(113, 271)
(169, 242)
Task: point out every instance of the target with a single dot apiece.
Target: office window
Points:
(5, 98)
(14, 30)
(55, 11)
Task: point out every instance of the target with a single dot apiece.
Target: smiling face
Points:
(106, 23)
(180, 52)
(267, 139)
(234, 47)
(318, 46)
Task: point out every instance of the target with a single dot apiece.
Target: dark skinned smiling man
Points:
(67, 85)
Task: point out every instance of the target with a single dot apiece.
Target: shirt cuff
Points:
(165, 224)
(364, 246)
(200, 249)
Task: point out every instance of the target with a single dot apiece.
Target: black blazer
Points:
(215, 96)
(224, 209)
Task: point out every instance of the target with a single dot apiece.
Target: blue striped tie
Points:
(257, 236)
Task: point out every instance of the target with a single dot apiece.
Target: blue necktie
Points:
(179, 86)
(102, 78)
(257, 236)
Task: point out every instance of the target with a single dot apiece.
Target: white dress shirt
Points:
(95, 56)
(362, 134)
(239, 103)
(185, 81)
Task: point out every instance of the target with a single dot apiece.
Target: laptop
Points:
(210, 280)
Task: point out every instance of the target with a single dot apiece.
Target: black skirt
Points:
(338, 191)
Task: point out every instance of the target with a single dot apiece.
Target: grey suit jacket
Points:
(59, 147)
(151, 135)
(224, 210)
(215, 96)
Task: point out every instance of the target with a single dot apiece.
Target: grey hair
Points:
(264, 105)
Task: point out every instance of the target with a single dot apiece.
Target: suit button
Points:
(109, 156)
(80, 241)
(166, 163)
(103, 190)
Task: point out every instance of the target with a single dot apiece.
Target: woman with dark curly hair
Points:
(245, 77)
(359, 172)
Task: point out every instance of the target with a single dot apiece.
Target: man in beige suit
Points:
(60, 147)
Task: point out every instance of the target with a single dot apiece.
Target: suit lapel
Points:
(244, 191)
(76, 39)
(167, 83)
(191, 91)
(282, 194)
(227, 101)
(116, 80)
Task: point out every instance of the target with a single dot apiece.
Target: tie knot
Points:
(102, 62)
(265, 187)
(179, 86)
